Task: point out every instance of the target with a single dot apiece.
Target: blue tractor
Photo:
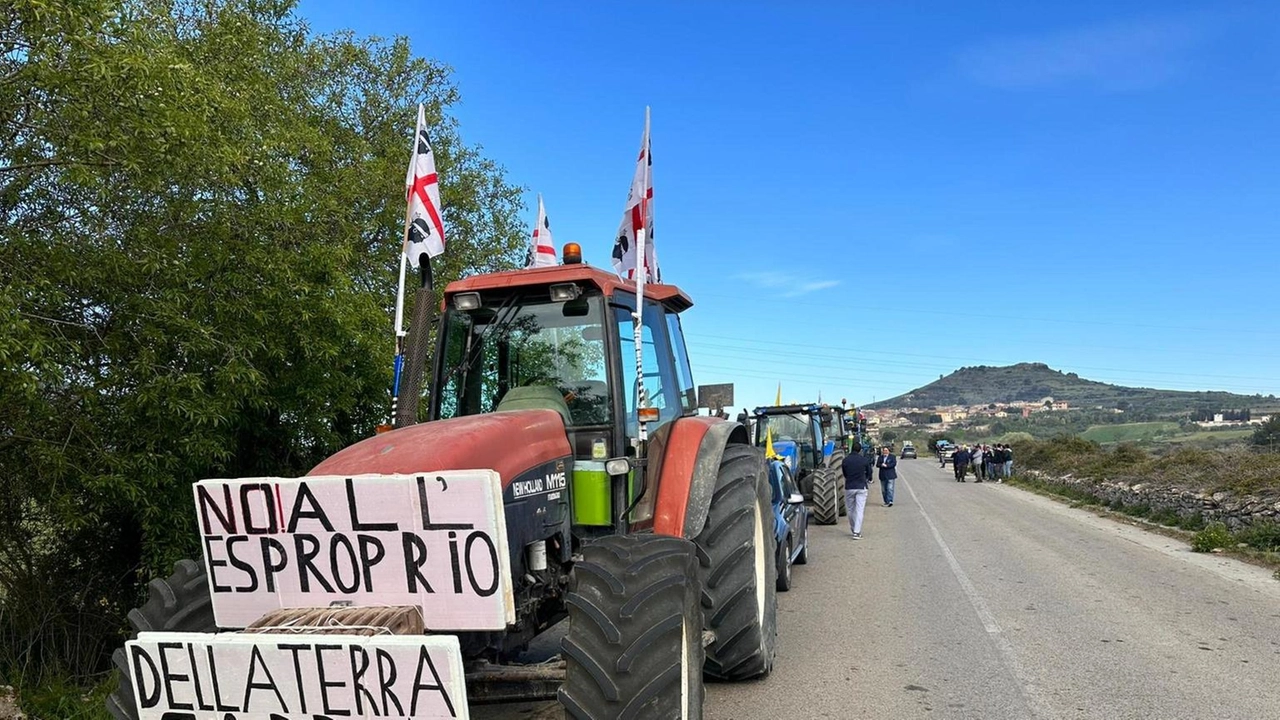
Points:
(809, 441)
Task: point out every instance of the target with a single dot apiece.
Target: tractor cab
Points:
(562, 339)
(796, 433)
(835, 428)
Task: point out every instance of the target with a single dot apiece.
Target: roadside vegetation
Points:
(200, 212)
(1240, 471)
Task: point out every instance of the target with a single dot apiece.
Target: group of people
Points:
(857, 470)
(988, 462)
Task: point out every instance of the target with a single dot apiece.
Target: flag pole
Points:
(642, 272)
(397, 367)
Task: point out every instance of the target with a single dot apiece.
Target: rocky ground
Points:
(9, 709)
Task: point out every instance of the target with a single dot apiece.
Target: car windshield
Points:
(555, 348)
(784, 427)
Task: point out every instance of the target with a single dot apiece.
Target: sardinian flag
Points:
(542, 252)
(424, 230)
(638, 214)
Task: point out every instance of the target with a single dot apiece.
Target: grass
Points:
(1209, 436)
(1129, 432)
(60, 697)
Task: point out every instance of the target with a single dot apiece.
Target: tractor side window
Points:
(684, 376)
(655, 353)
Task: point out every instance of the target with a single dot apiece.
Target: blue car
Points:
(790, 522)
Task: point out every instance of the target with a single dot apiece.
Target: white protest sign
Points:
(193, 676)
(437, 541)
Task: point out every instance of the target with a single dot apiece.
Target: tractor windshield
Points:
(550, 353)
(784, 427)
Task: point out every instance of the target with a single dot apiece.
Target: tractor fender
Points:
(690, 464)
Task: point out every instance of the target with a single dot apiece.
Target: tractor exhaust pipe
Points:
(417, 347)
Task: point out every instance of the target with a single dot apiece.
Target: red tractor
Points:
(539, 489)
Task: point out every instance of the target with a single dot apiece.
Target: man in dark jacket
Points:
(857, 475)
(888, 465)
(960, 462)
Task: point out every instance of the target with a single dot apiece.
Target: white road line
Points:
(988, 620)
(1030, 693)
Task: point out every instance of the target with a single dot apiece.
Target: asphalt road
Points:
(983, 601)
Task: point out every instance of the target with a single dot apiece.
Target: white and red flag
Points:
(542, 252)
(424, 230)
(638, 214)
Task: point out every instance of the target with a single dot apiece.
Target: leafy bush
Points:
(1128, 454)
(1212, 537)
(1267, 436)
(197, 207)
(1261, 536)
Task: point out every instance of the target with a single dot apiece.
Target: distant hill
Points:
(1029, 382)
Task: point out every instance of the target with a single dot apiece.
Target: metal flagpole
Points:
(642, 272)
(398, 362)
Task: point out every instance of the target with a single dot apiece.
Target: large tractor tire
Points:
(738, 556)
(634, 647)
(828, 495)
(179, 603)
(836, 461)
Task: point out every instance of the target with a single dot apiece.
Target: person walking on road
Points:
(857, 475)
(888, 473)
(960, 463)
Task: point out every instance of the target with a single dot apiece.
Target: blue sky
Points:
(861, 197)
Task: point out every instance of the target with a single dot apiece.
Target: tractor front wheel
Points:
(634, 647)
(179, 603)
(827, 495)
(737, 550)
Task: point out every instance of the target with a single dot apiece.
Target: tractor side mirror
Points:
(795, 499)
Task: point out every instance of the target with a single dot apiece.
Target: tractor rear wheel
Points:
(634, 647)
(737, 550)
(827, 496)
(836, 463)
(178, 603)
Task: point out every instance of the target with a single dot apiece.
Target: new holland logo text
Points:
(552, 482)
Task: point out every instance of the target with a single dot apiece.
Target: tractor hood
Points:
(508, 442)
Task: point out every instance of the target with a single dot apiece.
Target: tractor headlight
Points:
(617, 466)
(564, 292)
(466, 301)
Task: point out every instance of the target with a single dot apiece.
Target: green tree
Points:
(201, 203)
(1267, 435)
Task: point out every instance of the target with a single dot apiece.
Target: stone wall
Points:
(1235, 511)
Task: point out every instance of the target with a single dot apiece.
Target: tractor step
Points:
(490, 683)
